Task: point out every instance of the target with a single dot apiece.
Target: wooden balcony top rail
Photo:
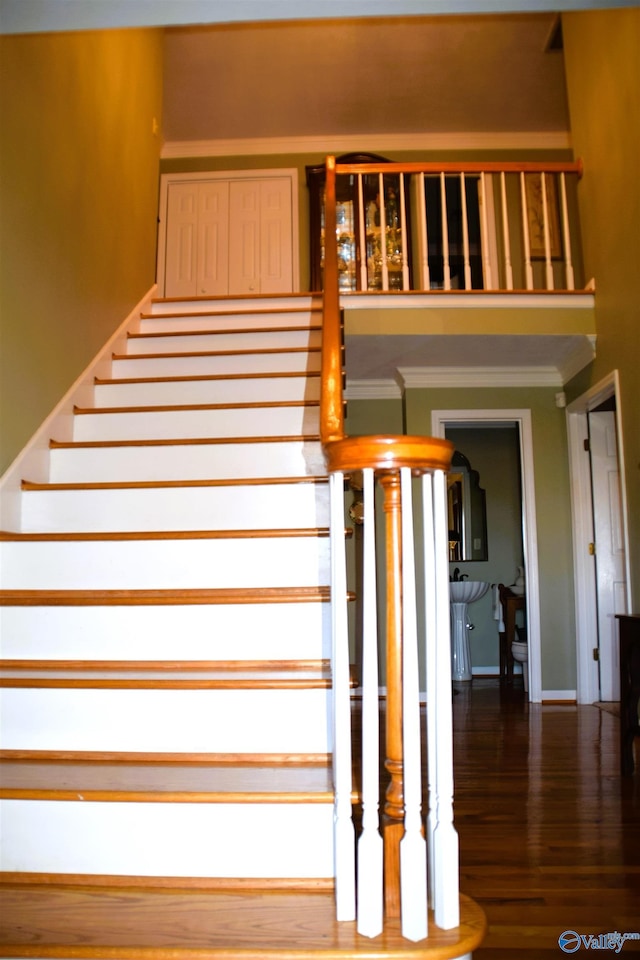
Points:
(455, 166)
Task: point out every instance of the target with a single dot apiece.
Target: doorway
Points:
(600, 537)
(440, 420)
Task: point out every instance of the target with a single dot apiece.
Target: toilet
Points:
(520, 653)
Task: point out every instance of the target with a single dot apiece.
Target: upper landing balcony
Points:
(456, 274)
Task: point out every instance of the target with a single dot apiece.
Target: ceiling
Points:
(395, 75)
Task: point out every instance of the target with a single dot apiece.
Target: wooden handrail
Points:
(331, 401)
(469, 166)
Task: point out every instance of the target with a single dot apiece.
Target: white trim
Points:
(415, 377)
(582, 522)
(472, 299)
(353, 142)
(439, 419)
(33, 460)
(552, 695)
(166, 179)
(372, 390)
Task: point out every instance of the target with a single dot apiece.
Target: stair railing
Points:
(464, 226)
(400, 873)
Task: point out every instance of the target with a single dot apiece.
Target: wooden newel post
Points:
(393, 818)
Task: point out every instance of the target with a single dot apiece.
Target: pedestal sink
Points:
(462, 593)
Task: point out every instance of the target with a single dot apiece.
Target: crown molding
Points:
(385, 142)
(411, 378)
(373, 390)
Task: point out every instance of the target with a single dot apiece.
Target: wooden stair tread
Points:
(163, 484)
(203, 783)
(99, 381)
(179, 441)
(190, 407)
(138, 924)
(98, 598)
(286, 532)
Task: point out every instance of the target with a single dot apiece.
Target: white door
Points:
(229, 237)
(609, 546)
(260, 232)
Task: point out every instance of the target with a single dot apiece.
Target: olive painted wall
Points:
(79, 187)
(553, 510)
(602, 53)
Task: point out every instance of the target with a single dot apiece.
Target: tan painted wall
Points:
(79, 184)
(602, 51)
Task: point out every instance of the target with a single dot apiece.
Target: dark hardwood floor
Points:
(549, 831)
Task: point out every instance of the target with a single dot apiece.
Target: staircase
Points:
(166, 641)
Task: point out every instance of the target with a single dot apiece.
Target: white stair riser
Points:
(217, 342)
(166, 564)
(248, 390)
(177, 840)
(163, 323)
(272, 506)
(189, 424)
(165, 721)
(222, 461)
(258, 631)
(215, 365)
(264, 305)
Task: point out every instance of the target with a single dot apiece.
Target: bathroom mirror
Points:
(467, 511)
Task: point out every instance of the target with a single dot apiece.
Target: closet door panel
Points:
(276, 254)
(213, 248)
(182, 240)
(244, 236)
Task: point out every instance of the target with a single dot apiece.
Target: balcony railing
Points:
(457, 226)
(407, 855)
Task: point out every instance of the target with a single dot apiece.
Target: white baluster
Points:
(484, 235)
(430, 641)
(370, 845)
(566, 236)
(445, 234)
(445, 837)
(528, 270)
(423, 231)
(383, 234)
(547, 236)
(413, 850)
(364, 282)
(508, 268)
(343, 830)
(465, 234)
(403, 235)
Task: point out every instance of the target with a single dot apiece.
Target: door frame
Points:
(584, 573)
(522, 417)
(166, 179)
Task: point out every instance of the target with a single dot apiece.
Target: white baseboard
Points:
(33, 461)
(555, 695)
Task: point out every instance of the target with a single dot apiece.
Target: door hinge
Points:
(587, 444)
(592, 549)
(596, 654)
